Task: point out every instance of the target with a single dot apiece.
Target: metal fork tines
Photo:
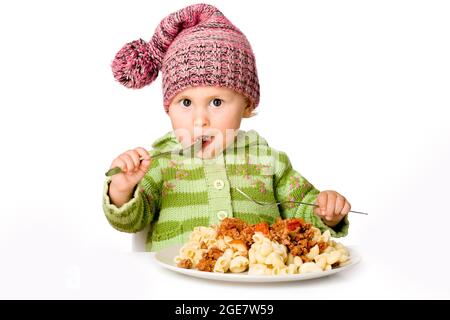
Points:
(278, 203)
(190, 150)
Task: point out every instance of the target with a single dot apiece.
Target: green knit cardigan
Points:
(179, 193)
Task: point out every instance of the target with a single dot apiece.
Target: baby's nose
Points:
(201, 119)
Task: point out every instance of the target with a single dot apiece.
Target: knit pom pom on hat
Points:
(134, 66)
(195, 46)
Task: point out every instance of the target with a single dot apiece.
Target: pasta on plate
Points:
(289, 246)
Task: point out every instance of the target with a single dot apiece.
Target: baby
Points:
(210, 84)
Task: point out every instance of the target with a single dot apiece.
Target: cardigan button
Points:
(222, 215)
(219, 184)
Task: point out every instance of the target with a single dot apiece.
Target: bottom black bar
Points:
(227, 309)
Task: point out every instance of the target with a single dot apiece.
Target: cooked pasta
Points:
(263, 251)
(239, 264)
(257, 269)
(223, 263)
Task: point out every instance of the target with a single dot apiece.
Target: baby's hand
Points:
(332, 208)
(133, 169)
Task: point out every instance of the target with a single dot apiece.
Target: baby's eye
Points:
(185, 103)
(216, 103)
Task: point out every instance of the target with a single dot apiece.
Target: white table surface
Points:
(95, 275)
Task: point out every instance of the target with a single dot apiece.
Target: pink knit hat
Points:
(195, 46)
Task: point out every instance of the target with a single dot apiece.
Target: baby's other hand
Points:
(332, 207)
(133, 169)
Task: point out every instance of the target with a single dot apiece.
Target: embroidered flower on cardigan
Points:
(294, 182)
(242, 170)
(149, 196)
(296, 187)
(179, 172)
(263, 169)
(167, 187)
(248, 170)
(173, 164)
(260, 185)
(289, 205)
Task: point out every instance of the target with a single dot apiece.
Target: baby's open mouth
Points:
(206, 140)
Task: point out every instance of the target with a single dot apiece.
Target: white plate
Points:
(165, 258)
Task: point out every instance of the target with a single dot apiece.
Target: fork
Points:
(192, 149)
(278, 203)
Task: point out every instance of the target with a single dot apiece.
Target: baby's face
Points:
(209, 112)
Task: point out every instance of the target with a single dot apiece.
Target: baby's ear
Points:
(248, 111)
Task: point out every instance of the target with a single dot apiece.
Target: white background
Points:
(356, 92)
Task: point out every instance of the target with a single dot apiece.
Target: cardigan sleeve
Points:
(140, 210)
(289, 185)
